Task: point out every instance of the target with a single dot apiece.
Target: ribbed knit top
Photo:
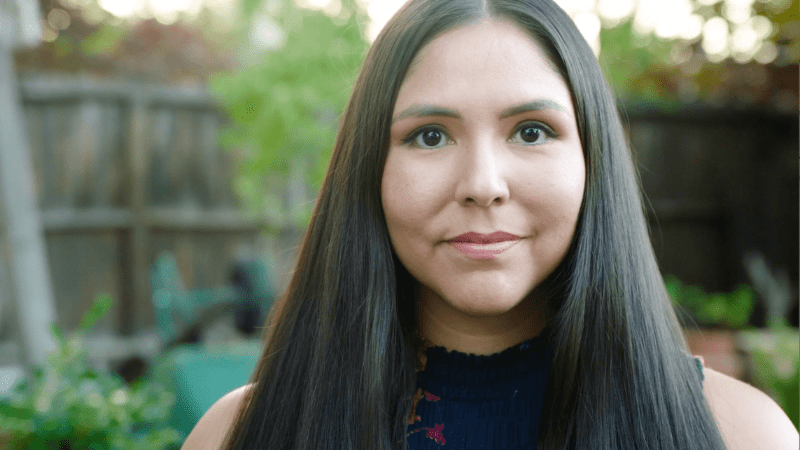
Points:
(466, 401)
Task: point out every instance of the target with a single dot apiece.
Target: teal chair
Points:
(200, 374)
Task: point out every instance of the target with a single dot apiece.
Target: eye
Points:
(428, 137)
(531, 133)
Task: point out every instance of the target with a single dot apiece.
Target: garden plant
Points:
(67, 405)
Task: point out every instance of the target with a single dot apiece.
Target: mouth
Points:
(478, 238)
(483, 251)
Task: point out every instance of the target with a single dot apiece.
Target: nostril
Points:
(498, 200)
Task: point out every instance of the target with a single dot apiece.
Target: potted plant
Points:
(67, 405)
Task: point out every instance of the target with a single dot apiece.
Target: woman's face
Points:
(483, 140)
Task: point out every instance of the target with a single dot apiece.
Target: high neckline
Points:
(458, 375)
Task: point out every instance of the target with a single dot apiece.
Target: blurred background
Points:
(159, 162)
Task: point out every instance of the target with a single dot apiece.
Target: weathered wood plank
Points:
(49, 89)
(208, 156)
(93, 270)
(107, 169)
(137, 264)
(200, 220)
(30, 277)
(64, 220)
(181, 157)
(70, 220)
(161, 184)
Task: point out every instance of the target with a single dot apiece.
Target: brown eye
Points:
(431, 138)
(530, 134)
(428, 138)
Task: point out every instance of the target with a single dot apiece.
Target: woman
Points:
(478, 272)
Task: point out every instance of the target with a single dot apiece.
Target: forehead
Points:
(495, 55)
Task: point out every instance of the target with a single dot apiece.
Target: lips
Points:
(478, 238)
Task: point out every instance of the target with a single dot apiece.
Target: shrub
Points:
(775, 362)
(694, 306)
(67, 405)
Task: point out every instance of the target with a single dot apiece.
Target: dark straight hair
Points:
(337, 370)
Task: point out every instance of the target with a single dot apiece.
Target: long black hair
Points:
(337, 370)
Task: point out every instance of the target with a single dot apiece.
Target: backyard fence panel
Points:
(124, 171)
(721, 184)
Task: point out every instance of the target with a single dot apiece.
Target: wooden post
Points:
(30, 275)
(136, 247)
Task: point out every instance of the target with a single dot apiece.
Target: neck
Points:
(442, 325)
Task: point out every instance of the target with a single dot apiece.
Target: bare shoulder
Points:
(748, 418)
(210, 430)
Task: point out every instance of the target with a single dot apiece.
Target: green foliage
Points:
(632, 63)
(103, 41)
(67, 405)
(775, 361)
(284, 109)
(693, 304)
(664, 74)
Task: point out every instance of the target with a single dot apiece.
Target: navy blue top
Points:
(480, 402)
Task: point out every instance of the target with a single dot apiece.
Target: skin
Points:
(482, 176)
(486, 181)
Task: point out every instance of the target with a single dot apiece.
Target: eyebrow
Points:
(536, 105)
(425, 111)
(438, 111)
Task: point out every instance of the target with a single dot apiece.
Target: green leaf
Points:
(9, 411)
(98, 309)
(55, 330)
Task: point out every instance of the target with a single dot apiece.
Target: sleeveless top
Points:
(466, 401)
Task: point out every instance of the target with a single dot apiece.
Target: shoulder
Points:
(210, 430)
(747, 418)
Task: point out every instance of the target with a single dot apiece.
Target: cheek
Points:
(410, 194)
(557, 192)
(397, 193)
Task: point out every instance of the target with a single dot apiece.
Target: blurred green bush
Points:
(695, 307)
(284, 107)
(67, 405)
(775, 364)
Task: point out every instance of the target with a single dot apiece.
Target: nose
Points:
(481, 178)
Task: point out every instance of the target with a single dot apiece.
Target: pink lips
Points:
(483, 246)
(477, 238)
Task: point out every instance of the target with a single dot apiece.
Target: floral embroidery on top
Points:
(431, 398)
(434, 432)
(414, 418)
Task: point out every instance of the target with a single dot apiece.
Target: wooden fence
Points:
(721, 184)
(125, 171)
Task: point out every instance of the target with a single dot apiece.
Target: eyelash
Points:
(548, 132)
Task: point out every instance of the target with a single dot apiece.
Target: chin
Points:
(484, 305)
